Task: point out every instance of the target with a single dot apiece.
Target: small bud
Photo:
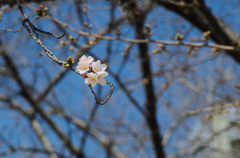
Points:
(165, 85)
(84, 75)
(90, 66)
(85, 10)
(69, 58)
(75, 41)
(151, 34)
(189, 51)
(40, 54)
(118, 34)
(237, 86)
(145, 80)
(70, 37)
(127, 48)
(202, 39)
(157, 51)
(41, 7)
(64, 25)
(209, 117)
(43, 14)
(66, 65)
(189, 113)
(71, 48)
(181, 3)
(90, 26)
(118, 28)
(195, 49)
(179, 37)
(38, 12)
(90, 43)
(148, 28)
(123, 54)
(206, 33)
(97, 40)
(214, 50)
(45, 9)
(176, 37)
(62, 42)
(85, 24)
(236, 104)
(165, 50)
(159, 45)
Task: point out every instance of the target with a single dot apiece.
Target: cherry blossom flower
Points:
(98, 67)
(92, 79)
(93, 72)
(83, 67)
(100, 78)
(86, 59)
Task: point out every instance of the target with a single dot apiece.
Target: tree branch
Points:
(202, 17)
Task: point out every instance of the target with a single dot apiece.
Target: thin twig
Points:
(49, 33)
(20, 29)
(109, 95)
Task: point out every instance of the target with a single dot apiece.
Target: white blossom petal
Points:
(90, 59)
(100, 78)
(82, 67)
(98, 67)
(94, 84)
(103, 74)
(102, 81)
(92, 79)
(87, 81)
(86, 59)
(104, 66)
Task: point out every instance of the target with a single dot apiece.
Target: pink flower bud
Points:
(84, 75)
(41, 6)
(90, 66)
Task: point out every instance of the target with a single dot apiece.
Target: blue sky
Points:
(75, 97)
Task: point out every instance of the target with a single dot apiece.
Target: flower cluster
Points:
(93, 72)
